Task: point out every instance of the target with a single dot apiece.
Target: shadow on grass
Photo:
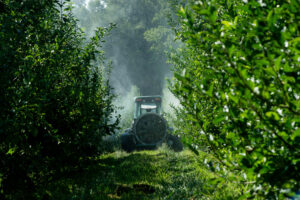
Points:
(130, 176)
(141, 175)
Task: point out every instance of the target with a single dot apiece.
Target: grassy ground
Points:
(160, 174)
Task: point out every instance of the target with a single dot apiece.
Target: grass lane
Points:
(160, 174)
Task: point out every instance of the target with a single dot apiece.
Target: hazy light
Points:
(86, 4)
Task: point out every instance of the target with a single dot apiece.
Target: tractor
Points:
(149, 128)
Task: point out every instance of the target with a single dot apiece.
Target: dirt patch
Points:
(145, 188)
(135, 188)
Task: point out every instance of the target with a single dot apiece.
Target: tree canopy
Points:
(56, 103)
(238, 81)
(137, 44)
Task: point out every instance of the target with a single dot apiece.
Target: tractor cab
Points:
(147, 104)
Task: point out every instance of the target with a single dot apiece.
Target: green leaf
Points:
(295, 134)
(210, 90)
(213, 14)
(273, 115)
(219, 118)
(235, 99)
(230, 135)
(227, 23)
(179, 77)
(278, 63)
(11, 151)
(284, 135)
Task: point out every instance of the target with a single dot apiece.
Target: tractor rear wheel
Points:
(174, 143)
(127, 142)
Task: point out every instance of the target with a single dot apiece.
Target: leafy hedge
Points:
(238, 79)
(55, 102)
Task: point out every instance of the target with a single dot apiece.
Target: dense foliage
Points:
(238, 82)
(55, 102)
